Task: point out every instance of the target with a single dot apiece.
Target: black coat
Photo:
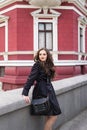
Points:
(42, 87)
(37, 77)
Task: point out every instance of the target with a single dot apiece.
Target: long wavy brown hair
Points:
(48, 65)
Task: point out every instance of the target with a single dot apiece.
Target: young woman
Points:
(42, 73)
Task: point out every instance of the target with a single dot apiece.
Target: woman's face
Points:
(42, 55)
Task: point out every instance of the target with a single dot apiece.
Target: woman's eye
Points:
(44, 54)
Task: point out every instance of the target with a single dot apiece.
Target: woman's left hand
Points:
(27, 99)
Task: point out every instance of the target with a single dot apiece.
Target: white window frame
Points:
(46, 18)
(45, 32)
(4, 23)
(82, 25)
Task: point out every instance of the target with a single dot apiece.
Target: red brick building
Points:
(26, 26)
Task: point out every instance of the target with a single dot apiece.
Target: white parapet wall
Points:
(0, 86)
(14, 112)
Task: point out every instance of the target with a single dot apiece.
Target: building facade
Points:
(26, 26)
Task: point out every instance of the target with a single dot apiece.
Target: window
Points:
(2, 71)
(81, 39)
(45, 30)
(81, 35)
(45, 35)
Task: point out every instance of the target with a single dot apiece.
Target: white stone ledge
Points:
(12, 100)
(68, 84)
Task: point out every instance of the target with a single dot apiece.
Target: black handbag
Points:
(40, 106)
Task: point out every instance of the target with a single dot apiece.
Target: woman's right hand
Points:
(27, 99)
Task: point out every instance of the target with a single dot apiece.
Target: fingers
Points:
(27, 99)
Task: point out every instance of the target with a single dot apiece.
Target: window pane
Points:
(41, 26)
(81, 31)
(41, 40)
(49, 26)
(81, 40)
(49, 41)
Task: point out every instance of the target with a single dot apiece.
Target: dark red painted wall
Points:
(24, 31)
(68, 33)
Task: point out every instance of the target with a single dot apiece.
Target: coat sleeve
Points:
(31, 78)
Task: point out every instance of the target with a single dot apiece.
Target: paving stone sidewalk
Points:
(77, 123)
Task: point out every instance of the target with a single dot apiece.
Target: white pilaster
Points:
(4, 23)
(6, 40)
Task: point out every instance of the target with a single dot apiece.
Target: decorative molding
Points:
(82, 20)
(7, 2)
(2, 24)
(83, 2)
(31, 62)
(17, 6)
(79, 4)
(76, 2)
(45, 3)
(3, 18)
(69, 8)
(45, 13)
(56, 62)
(30, 6)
